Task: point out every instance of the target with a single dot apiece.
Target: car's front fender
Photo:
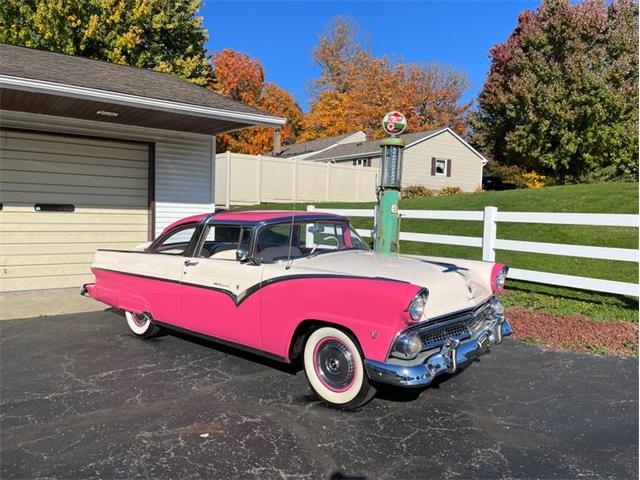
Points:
(374, 309)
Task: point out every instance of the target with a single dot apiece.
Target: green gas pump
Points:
(390, 183)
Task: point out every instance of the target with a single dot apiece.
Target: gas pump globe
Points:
(386, 231)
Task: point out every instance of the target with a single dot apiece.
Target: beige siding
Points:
(105, 180)
(466, 166)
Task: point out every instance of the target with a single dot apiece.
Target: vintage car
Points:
(304, 288)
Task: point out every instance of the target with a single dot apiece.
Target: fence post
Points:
(328, 193)
(259, 179)
(489, 234)
(295, 180)
(227, 194)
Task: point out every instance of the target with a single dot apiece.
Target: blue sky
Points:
(282, 34)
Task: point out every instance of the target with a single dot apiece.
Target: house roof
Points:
(311, 146)
(28, 69)
(370, 147)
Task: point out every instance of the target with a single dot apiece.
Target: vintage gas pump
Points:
(386, 232)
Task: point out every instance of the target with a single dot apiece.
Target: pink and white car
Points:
(303, 287)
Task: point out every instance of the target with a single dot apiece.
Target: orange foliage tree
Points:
(355, 89)
(242, 78)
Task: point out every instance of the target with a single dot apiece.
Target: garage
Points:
(99, 155)
(64, 197)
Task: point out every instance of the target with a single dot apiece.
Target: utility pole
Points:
(386, 235)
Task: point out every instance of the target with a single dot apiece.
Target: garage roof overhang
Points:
(51, 98)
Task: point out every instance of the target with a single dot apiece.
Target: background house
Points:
(434, 158)
(97, 155)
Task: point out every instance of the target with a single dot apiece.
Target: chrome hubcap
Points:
(334, 364)
(140, 319)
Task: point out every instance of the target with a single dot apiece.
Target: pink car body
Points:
(267, 303)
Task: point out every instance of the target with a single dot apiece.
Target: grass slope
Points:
(600, 198)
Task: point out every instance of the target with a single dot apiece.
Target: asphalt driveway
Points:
(82, 398)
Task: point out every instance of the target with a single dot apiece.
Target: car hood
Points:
(451, 287)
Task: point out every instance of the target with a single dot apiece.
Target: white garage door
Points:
(43, 244)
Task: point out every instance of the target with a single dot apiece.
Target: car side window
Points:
(176, 242)
(274, 243)
(222, 241)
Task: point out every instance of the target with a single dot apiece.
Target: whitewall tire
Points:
(335, 369)
(140, 324)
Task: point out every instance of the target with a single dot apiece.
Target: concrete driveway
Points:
(82, 398)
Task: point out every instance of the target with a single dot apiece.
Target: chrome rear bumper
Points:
(452, 354)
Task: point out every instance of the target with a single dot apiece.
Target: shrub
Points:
(508, 174)
(478, 189)
(447, 191)
(517, 176)
(416, 191)
(534, 180)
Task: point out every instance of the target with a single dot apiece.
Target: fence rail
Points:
(490, 243)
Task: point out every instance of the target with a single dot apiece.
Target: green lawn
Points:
(602, 198)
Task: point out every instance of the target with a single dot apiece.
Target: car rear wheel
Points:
(335, 369)
(141, 324)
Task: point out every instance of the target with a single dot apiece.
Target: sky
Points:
(283, 34)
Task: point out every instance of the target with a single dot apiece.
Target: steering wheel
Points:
(331, 237)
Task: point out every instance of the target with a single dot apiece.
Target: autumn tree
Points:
(242, 78)
(155, 34)
(355, 89)
(561, 96)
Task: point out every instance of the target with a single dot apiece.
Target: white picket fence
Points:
(490, 243)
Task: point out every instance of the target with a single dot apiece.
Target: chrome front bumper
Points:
(452, 354)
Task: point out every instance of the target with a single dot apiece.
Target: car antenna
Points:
(293, 216)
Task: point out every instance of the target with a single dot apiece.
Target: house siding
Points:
(466, 167)
(184, 163)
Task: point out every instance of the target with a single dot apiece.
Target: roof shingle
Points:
(367, 148)
(311, 146)
(100, 75)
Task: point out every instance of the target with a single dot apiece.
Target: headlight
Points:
(408, 346)
(419, 302)
(498, 277)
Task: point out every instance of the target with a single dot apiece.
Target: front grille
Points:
(459, 327)
(437, 337)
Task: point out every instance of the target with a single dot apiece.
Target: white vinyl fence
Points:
(252, 179)
(489, 243)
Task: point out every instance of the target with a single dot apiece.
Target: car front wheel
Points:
(335, 369)
(141, 324)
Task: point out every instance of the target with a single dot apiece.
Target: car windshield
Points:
(288, 241)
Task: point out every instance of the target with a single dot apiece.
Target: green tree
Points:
(561, 96)
(162, 35)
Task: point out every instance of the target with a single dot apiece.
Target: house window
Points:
(441, 167)
(362, 162)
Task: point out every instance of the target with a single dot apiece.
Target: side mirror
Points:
(242, 254)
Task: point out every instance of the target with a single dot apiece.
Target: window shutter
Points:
(433, 166)
(449, 167)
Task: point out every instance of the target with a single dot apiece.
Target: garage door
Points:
(62, 198)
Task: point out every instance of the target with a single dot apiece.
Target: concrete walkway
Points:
(42, 303)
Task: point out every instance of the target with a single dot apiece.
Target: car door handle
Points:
(189, 263)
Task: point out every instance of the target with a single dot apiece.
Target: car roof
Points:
(254, 216)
